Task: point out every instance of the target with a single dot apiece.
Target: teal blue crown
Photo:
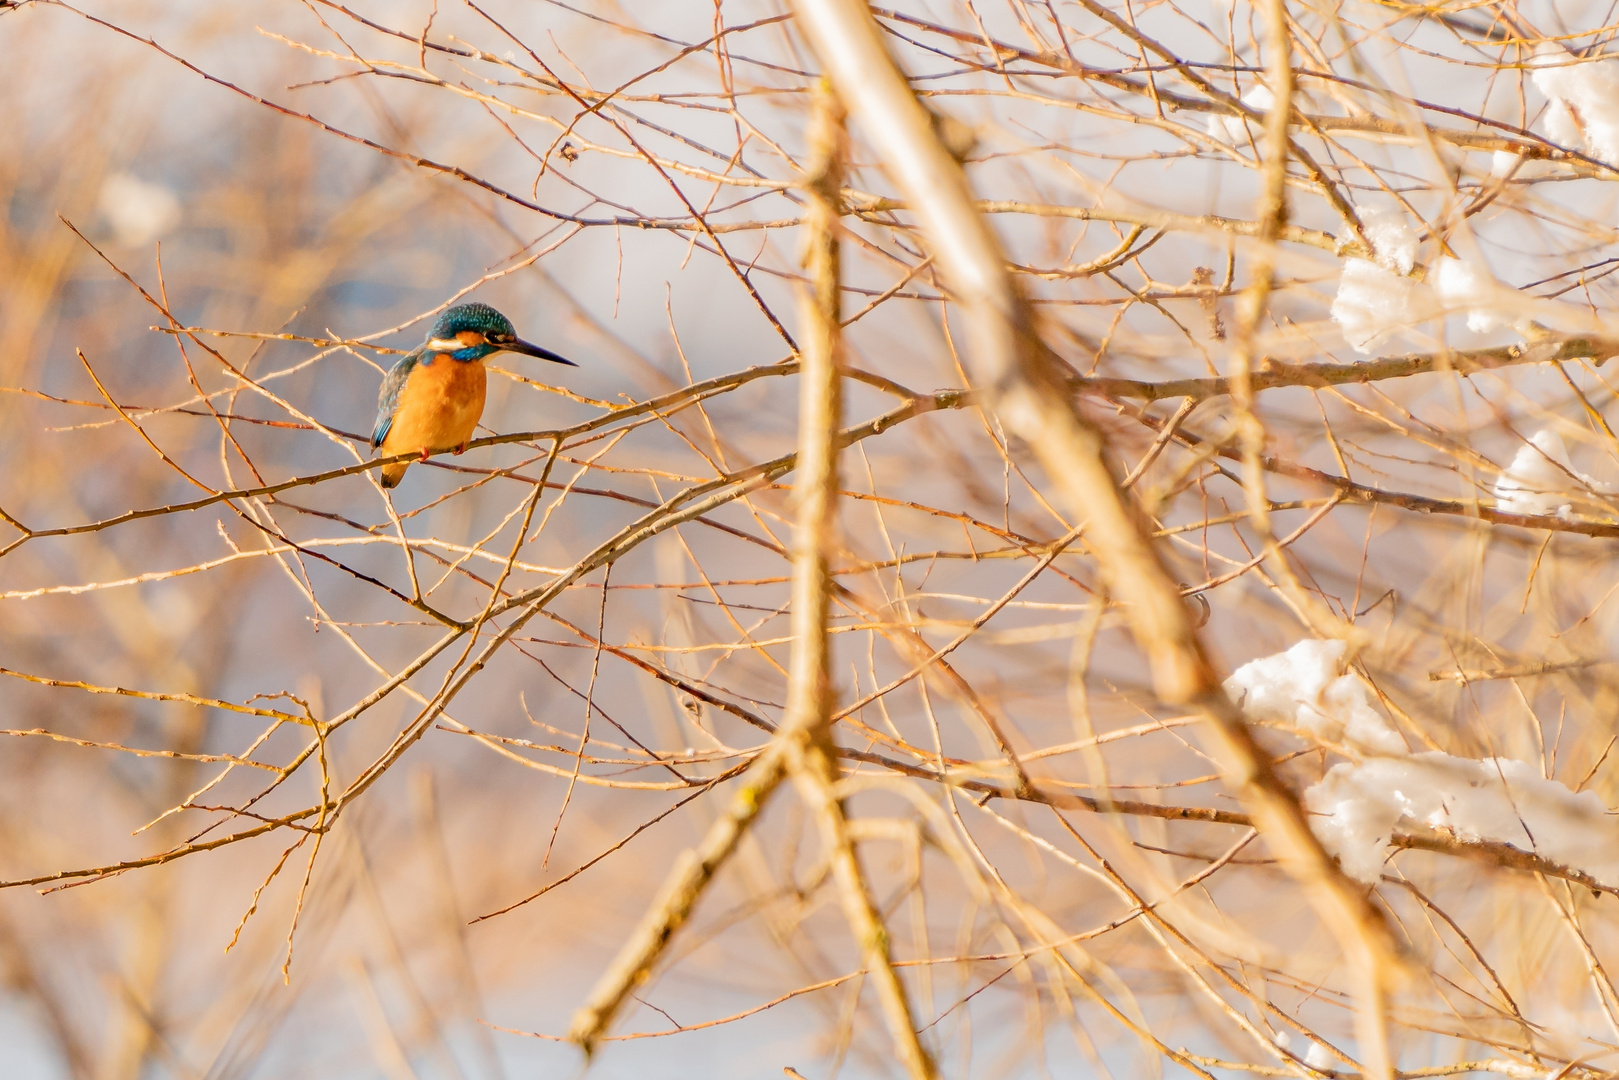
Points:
(476, 317)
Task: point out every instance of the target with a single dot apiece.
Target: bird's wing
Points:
(388, 398)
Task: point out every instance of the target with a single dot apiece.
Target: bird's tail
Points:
(392, 474)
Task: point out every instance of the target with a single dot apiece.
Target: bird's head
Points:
(475, 331)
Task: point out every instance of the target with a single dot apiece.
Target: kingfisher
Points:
(433, 397)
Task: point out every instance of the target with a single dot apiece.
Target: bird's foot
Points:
(462, 448)
(426, 453)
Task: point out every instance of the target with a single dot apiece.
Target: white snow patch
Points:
(1376, 297)
(1503, 161)
(1234, 129)
(1561, 125)
(1538, 477)
(1392, 240)
(1374, 303)
(138, 211)
(1307, 688)
(1584, 110)
(1541, 477)
(1467, 286)
(1358, 805)
(1319, 1057)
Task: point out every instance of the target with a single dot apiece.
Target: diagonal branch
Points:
(1021, 383)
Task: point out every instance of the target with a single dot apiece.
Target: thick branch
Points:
(1020, 382)
(1272, 374)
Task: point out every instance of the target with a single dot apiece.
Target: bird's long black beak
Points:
(517, 345)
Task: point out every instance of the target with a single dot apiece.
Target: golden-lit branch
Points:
(1012, 368)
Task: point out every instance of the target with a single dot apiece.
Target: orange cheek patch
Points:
(470, 337)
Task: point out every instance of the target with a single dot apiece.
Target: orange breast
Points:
(439, 407)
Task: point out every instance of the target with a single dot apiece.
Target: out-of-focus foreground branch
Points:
(1012, 364)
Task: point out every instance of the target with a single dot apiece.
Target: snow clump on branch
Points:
(1307, 688)
(1496, 799)
(1357, 806)
(1469, 287)
(1584, 109)
(1233, 130)
(1393, 240)
(1538, 477)
(1541, 478)
(1377, 297)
